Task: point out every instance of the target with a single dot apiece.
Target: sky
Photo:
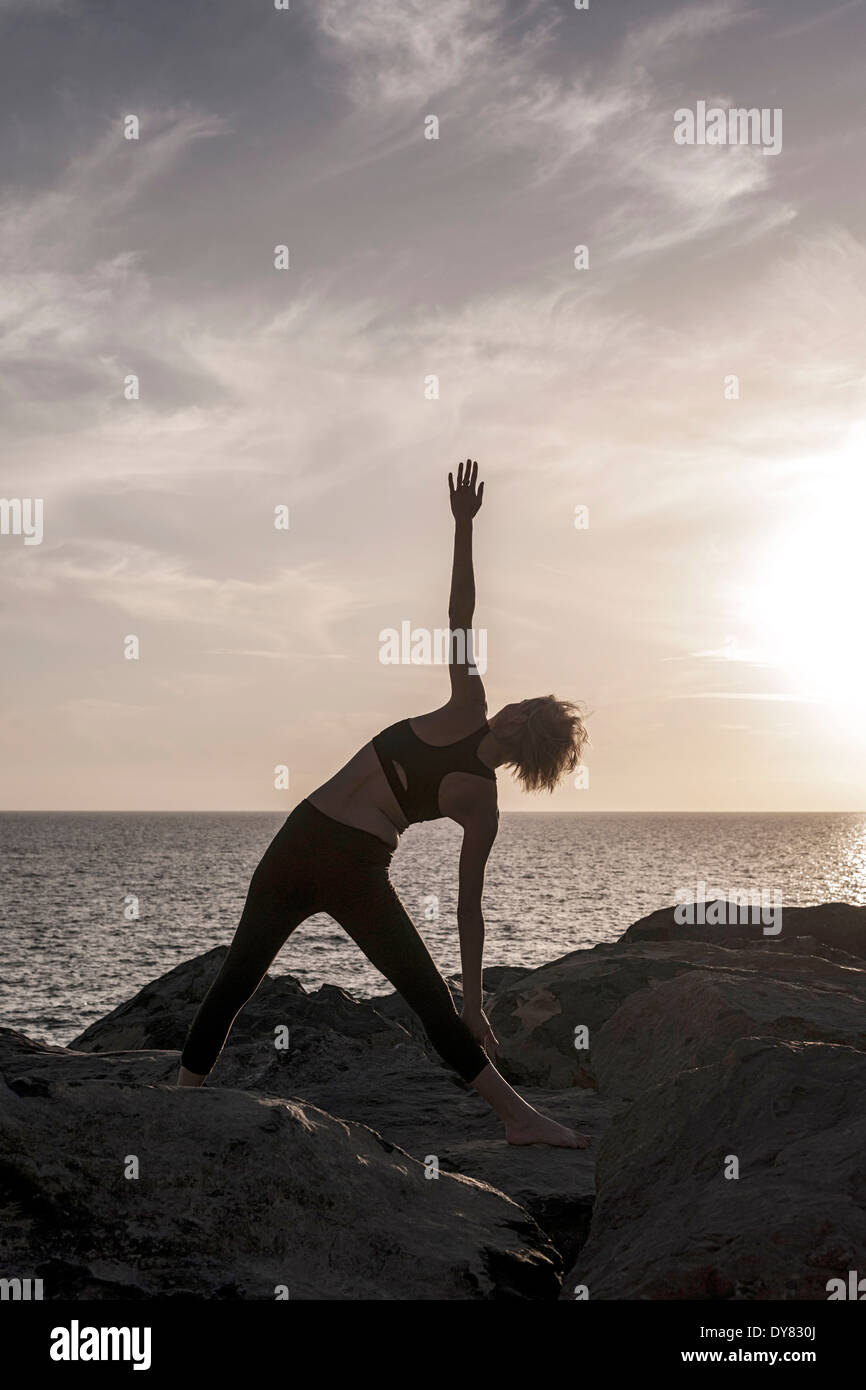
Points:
(697, 384)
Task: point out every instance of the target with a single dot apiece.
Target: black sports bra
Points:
(425, 766)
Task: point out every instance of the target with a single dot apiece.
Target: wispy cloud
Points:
(400, 51)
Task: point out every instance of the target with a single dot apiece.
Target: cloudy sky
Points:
(709, 615)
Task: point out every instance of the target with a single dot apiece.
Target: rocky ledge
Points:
(721, 1072)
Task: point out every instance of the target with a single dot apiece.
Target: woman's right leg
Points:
(278, 900)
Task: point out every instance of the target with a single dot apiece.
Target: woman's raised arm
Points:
(466, 498)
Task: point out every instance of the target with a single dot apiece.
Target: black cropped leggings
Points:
(317, 864)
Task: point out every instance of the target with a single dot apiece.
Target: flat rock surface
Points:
(693, 1018)
(129, 1189)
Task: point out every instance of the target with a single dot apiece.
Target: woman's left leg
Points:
(370, 911)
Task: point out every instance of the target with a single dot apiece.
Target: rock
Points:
(695, 1046)
(535, 1017)
(668, 1224)
(837, 925)
(692, 1019)
(326, 1030)
(235, 1195)
(426, 1112)
(350, 1060)
(160, 1014)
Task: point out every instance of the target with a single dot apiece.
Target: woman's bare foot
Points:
(523, 1124)
(538, 1129)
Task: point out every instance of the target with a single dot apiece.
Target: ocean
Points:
(71, 884)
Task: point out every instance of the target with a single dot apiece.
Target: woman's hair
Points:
(550, 743)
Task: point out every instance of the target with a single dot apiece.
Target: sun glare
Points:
(805, 606)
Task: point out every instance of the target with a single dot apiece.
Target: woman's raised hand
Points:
(465, 499)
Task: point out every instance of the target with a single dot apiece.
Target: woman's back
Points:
(363, 795)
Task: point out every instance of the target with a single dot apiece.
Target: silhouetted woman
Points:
(333, 854)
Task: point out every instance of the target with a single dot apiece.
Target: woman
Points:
(333, 853)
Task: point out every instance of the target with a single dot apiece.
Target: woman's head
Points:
(543, 739)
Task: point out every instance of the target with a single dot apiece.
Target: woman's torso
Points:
(359, 793)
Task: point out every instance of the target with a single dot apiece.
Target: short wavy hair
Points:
(550, 744)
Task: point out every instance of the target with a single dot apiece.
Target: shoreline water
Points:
(556, 882)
